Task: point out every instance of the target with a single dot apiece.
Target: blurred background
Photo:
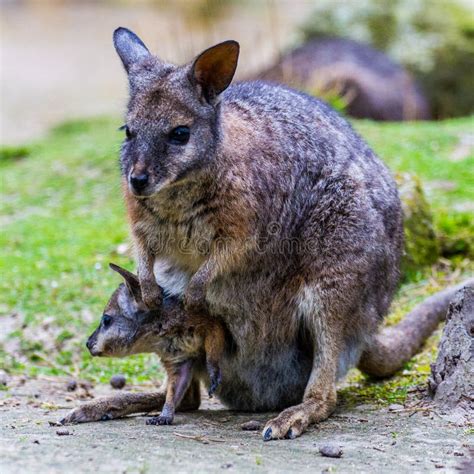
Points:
(57, 59)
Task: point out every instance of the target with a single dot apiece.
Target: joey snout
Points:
(91, 344)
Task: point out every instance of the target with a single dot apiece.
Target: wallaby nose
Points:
(139, 181)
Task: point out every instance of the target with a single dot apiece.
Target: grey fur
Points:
(305, 285)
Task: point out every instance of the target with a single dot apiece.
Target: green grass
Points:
(63, 218)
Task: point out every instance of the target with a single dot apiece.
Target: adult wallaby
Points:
(264, 207)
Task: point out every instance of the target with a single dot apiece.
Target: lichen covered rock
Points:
(421, 244)
(452, 375)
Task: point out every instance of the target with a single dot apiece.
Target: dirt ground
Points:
(211, 440)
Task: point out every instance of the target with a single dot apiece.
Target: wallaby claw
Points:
(160, 420)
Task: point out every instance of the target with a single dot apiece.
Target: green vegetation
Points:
(63, 220)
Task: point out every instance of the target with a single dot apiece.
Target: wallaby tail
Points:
(395, 345)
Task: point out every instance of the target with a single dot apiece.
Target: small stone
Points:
(395, 407)
(330, 451)
(63, 433)
(251, 425)
(227, 465)
(36, 441)
(118, 381)
(71, 386)
(3, 379)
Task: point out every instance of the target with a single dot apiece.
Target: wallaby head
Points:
(172, 120)
(127, 325)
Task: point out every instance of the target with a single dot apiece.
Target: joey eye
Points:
(106, 321)
(179, 135)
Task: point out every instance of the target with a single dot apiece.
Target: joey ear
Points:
(129, 47)
(131, 280)
(214, 68)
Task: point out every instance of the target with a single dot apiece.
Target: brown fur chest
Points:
(180, 346)
(177, 224)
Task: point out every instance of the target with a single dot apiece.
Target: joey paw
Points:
(215, 381)
(160, 420)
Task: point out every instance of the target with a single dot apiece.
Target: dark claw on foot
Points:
(106, 417)
(160, 420)
(290, 434)
(267, 435)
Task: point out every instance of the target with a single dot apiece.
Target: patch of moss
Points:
(13, 153)
(421, 244)
(456, 234)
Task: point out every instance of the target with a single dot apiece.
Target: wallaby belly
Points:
(270, 383)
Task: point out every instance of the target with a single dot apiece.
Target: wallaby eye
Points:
(179, 135)
(106, 321)
(128, 133)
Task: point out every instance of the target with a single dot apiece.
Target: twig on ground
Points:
(200, 438)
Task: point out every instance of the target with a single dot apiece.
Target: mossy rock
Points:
(456, 234)
(421, 243)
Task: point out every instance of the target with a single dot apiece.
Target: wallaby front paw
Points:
(195, 299)
(160, 420)
(151, 294)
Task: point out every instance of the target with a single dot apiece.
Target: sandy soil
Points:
(211, 439)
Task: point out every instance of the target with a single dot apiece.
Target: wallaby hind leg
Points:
(319, 399)
(123, 404)
(179, 380)
(318, 403)
(116, 406)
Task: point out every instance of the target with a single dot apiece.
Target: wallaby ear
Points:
(214, 69)
(131, 280)
(129, 47)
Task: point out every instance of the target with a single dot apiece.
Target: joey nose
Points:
(139, 181)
